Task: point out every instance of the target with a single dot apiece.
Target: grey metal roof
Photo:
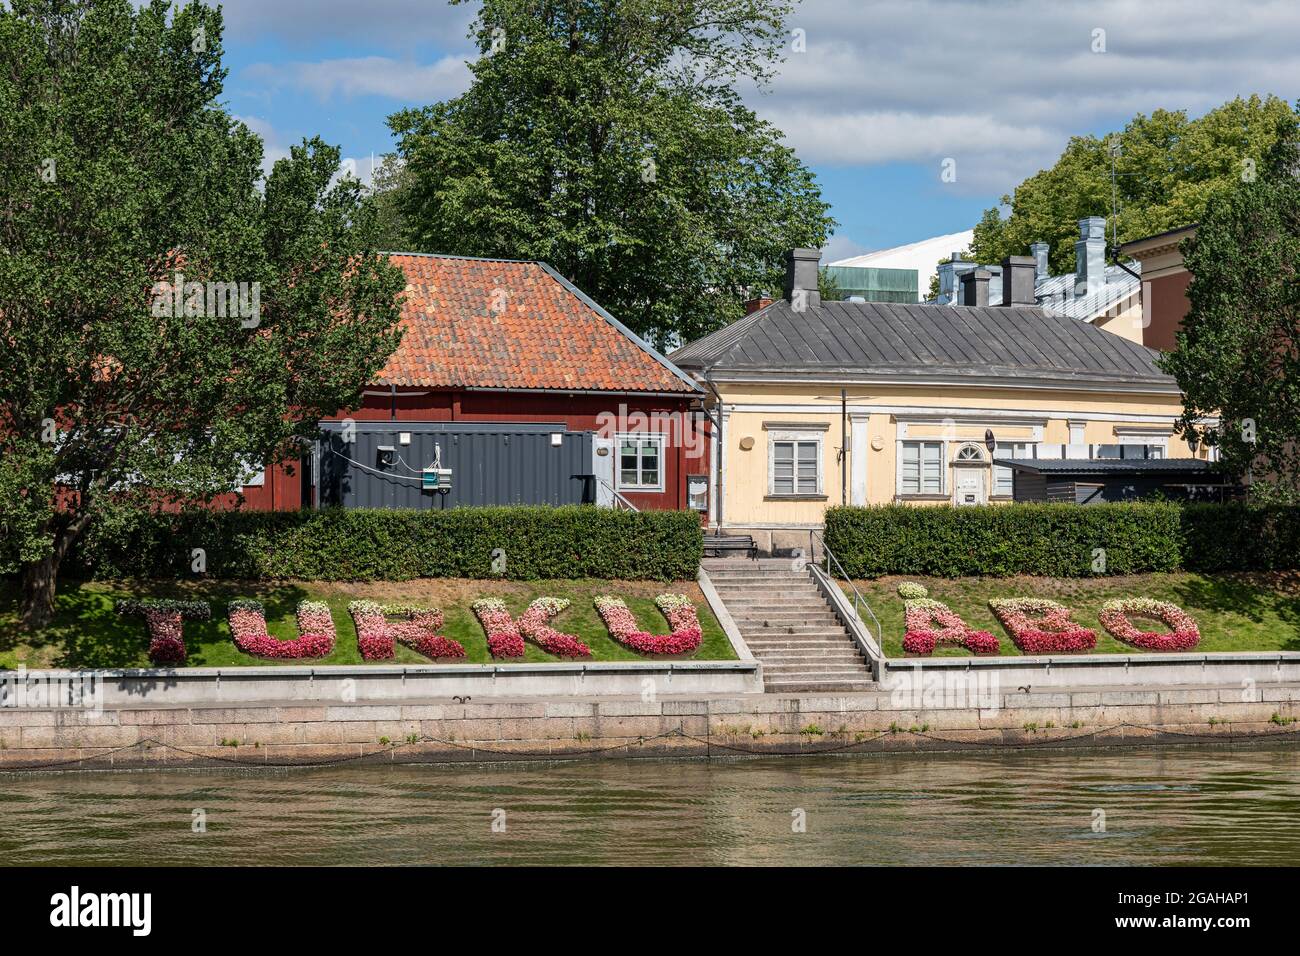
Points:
(1188, 467)
(838, 339)
(1056, 293)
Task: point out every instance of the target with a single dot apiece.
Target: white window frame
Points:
(799, 437)
(658, 439)
(1000, 470)
(943, 468)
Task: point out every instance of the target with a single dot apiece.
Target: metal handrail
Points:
(618, 498)
(859, 601)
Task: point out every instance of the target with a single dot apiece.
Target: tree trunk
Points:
(40, 580)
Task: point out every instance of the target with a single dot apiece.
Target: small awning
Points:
(1172, 468)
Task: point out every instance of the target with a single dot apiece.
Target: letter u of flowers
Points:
(416, 628)
(166, 622)
(315, 631)
(676, 608)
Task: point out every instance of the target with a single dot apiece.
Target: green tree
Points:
(387, 183)
(1167, 169)
(1238, 352)
(608, 139)
(118, 170)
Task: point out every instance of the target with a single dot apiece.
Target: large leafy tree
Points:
(607, 138)
(117, 171)
(1238, 352)
(1167, 169)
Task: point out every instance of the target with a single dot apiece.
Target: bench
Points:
(721, 545)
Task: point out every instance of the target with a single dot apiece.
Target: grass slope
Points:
(87, 632)
(1235, 612)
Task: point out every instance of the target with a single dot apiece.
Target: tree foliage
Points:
(608, 139)
(1167, 170)
(118, 170)
(1237, 356)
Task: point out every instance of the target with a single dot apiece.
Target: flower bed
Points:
(503, 637)
(534, 624)
(1040, 626)
(677, 609)
(315, 631)
(1183, 634)
(921, 636)
(166, 622)
(415, 628)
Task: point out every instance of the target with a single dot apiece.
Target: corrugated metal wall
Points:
(492, 464)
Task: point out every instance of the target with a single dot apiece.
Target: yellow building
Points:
(827, 403)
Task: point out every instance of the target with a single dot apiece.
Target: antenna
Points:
(1114, 148)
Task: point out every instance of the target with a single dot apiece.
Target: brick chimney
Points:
(975, 287)
(753, 305)
(1039, 251)
(801, 268)
(1090, 256)
(1018, 281)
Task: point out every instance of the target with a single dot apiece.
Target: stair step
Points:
(794, 640)
(796, 654)
(818, 686)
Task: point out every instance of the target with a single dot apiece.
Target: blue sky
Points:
(882, 95)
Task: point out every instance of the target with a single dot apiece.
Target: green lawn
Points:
(1235, 612)
(87, 632)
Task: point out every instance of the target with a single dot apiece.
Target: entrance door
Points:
(969, 486)
(602, 466)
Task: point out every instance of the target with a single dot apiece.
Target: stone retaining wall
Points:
(133, 736)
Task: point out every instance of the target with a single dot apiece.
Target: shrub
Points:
(364, 545)
(1240, 537)
(1062, 540)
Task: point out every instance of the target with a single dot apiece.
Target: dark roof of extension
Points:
(838, 340)
(1127, 467)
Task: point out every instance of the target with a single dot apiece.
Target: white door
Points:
(858, 463)
(969, 486)
(602, 466)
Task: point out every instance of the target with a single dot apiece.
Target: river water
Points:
(1156, 806)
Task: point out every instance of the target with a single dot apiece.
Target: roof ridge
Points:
(450, 255)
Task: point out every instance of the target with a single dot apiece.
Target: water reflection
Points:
(1207, 806)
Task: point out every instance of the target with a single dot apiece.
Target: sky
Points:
(878, 98)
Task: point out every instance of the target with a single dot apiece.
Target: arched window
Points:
(967, 453)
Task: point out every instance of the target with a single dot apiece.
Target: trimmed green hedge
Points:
(1241, 538)
(365, 545)
(1058, 540)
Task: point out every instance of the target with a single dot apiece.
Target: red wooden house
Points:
(510, 386)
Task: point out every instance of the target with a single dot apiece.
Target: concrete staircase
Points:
(789, 626)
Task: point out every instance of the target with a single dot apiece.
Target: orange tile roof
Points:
(493, 323)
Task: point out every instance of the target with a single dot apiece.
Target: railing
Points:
(620, 502)
(859, 602)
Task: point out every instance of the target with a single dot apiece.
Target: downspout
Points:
(718, 440)
(1114, 260)
(392, 414)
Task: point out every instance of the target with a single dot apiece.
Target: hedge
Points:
(366, 545)
(1059, 540)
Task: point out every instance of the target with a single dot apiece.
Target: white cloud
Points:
(275, 146)
(841, 247)
(1000, 87)
(368, 76)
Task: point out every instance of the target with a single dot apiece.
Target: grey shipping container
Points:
(491, 463)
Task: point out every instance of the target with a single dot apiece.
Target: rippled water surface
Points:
(1180, 806)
